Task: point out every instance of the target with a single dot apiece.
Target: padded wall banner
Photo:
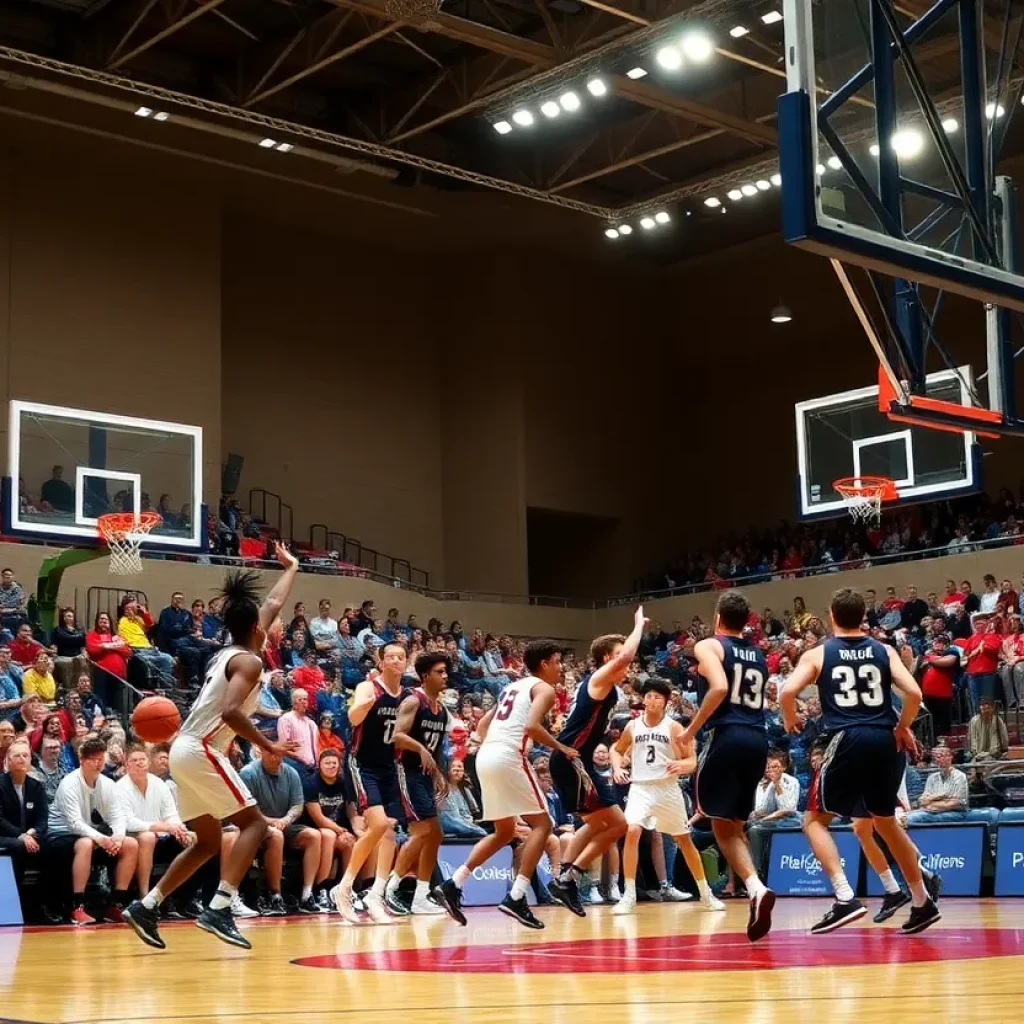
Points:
(794, 871)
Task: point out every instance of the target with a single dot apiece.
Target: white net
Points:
(124, 534)
(864, 508)
(124, 555)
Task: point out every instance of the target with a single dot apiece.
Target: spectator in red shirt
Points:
(1011, 668)
(939, 666)
(23, 648)
(792, 562)
(981, 655)
(1006, 604)
(952, 595)
(106, 649)
(309, 676)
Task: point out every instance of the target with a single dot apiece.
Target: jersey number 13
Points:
(750, 695)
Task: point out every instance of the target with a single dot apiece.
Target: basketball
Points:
(156, 719)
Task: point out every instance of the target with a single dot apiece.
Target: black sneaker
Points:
(323, 902)
(394, 902)
(144, 922)
(933, 886)
(309, 905)
(172, 912)
(449, 896)
(272, 905)
(839, 915)
(222, 924)
(891, 902)
(566, 892)
(921, 918)
(520, 910)
(759, 923)
(193, 908)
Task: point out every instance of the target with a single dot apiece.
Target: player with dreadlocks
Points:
(209, 789)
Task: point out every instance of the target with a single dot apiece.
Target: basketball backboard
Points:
(890, 130)
(846, 435)
(67, 467)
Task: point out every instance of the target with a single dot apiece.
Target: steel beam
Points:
(119, 59)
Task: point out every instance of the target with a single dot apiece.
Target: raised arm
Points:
(275, 600)
(362, 700)
(613, 671)
(709, 664)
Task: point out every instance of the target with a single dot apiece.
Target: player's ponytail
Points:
(240, 609)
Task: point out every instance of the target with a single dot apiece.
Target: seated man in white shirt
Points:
(152, 815)
(87, 820)
(775, 806)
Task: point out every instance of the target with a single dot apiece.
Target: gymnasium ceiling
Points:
(405, 98)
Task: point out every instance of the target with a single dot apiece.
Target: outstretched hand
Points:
(638, 617)
(284, 556)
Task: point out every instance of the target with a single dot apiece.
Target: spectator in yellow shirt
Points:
(39, 679)
(132, 627)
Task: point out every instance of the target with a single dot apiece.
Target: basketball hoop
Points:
(864, 496)
(124, 532)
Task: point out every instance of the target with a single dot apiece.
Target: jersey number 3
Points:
(508, 702)
(848, 694)
(751, 695)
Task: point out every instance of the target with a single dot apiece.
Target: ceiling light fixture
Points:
(739, 31)
(285, 147)
(835, 163)
(735, 194)
(950, 125)
(771, 18)
(161, 115)
(662, 217)
(625, 229)
(596, 87)
(523, 117)
(569, 102)
(143, 112)
(995, 110)
(762, 185)
(874, 149)
(713, 202)
(610, 233)
(748, 190)
(781, 314)
(550, 109)
(502, 127)
(268, 143)
(636, 73)
(776, 180)
(647, 223)
(697, 46)
(669, 58)
(907, 142)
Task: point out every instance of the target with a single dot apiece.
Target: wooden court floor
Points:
(666, 963)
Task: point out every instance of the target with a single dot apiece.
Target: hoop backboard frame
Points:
(84, 527)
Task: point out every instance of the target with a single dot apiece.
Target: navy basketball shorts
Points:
(569, 778)
(861, 773)
(417, 792)
(730, 765)
(377, 786)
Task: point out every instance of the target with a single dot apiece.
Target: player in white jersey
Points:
(655, 801)
(209, 789)
(508, 784)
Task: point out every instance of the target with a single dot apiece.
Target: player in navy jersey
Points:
(419, 731)
(583, 790)
(373, 714)
(864, 762)
(731, 677)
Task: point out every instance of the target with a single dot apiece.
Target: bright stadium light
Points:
(569, 102)
(161, 115)
(771, 18)
(669, 58)
(697, 46)
(835, 163)
(950, 125)
(550, 109)
(610, 233)
(523, 117)
(596, 87)
(762, 185)
(144, 112)
(907, 142)
(874, 149)
(268, 143)
(776, 180)
(748, 190)
(502, 127)
(819, 170)
(625, 229)
(994, 110)
(781, 314)
(739, 31)
(662, 217)
(713, 202)
(636, 73)
(647, 223)
(735, 194)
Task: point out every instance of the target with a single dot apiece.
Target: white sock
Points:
(703, 889)
(519, 887)
(889, 883)
(461, 874)
(422, 888)
(307, 891)
(153, 899)
(379, 884)
(224, 895)
(841, 887)
(918, 894)
(394, 881)
(754, 886)
(629, 888)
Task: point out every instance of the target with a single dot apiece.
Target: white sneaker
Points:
(594, 897)
(427, 907)
(654, 895)
(342, 899)
(377, 909)
(712, 902)
(614, 893)
(239, 909)
(626, 905)
(670, 894)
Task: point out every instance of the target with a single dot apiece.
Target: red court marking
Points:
(720, 952)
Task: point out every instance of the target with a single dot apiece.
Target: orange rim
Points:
(118, 525)
(866, 487)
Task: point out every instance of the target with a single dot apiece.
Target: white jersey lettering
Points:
(652, 750)
(511, 712)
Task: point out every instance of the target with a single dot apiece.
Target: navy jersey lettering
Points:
(373, 740)
(746, 674)
(587, 723)
(428, 728)
(855, 683)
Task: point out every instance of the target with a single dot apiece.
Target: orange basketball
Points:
(156, 719)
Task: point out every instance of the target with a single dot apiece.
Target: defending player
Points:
(864, 763)
(508, 784)
(659, 757)
(209, 789)
(421, 725)
(373, 714)
(730, 684)
(583, 790)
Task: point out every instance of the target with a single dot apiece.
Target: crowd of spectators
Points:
(789, 550)
(109, 821)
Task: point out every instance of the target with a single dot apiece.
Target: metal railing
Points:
(353, 552)
(264, 504)
(108, 599)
